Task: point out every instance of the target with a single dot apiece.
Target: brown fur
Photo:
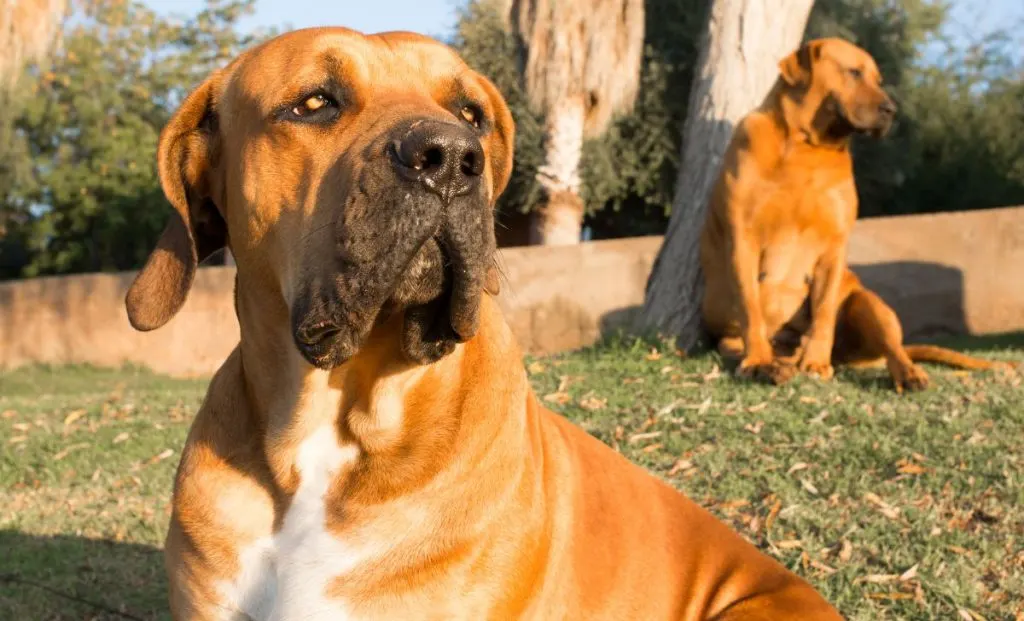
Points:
(484, 505)
(780, 296)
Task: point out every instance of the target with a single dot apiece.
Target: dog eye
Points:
(856, 74)
(472, 115)
(316, 108)
(314, 103)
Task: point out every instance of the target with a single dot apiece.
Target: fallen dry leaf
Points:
(73, 416)
(593, 403)
(21, 427)
(653, 355)
(788, 544)
(797, 466)
(809, 400)
(567, 380)
(757, 408)
(908, 467)
(651, 448)
(807, 485)
(845, 551)
(121, 437)
(8, 414)
(713, 374)
(823, 567)
(755, 428)
(16, 439)
(883, 507)
(536, 367)
(772, 514)
(877, 578)
(820, 418)
(69, 449)
(679, 466)
(976, 438)
(640, 437)
(561, 398)
(160, 457)
(891, 595)
(910, 574)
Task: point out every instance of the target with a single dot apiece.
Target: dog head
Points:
(842, 82)
(352, 176)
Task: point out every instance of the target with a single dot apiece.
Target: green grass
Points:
(895, 507)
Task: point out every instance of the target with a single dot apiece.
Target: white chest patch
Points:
(286, 576)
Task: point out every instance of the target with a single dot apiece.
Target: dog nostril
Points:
(430, 159)
(469, 164)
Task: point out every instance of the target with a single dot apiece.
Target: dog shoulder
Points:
(749, 157)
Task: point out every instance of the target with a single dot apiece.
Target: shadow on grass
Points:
(66, 577)
(986, 342)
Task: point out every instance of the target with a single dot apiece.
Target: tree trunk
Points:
(740, 51)
(559, 220)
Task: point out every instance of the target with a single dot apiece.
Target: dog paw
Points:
(770, 371)
(912, 378)
(751, 366)
(821, 370)
(777, 373)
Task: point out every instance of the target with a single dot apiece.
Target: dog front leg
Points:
(745, 258)
(816, 358)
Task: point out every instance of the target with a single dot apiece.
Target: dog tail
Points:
(948, 357)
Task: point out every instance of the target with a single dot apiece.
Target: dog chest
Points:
(287, 575)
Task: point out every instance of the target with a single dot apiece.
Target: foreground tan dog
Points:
(773, 249)
(372, 448)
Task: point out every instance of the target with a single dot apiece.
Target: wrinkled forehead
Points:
(297, 63)
(848, 55)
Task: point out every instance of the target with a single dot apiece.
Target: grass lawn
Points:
(895, 507)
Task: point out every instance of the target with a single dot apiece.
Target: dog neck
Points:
(805, 118)
(399, 421)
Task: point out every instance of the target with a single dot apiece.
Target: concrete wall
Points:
(944, 274)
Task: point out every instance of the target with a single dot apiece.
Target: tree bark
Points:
(740, 51)
(560, 219)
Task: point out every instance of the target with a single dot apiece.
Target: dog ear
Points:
(795, 69)
(185, 155)
(503, 138)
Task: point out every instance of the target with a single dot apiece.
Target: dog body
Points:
(372, 448)
(780, 296)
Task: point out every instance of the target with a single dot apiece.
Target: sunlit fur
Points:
(780, 297)
(381, 487)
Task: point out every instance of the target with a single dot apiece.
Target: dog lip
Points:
(314, 341)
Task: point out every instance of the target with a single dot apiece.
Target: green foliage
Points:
(84, 195)
(629, 173)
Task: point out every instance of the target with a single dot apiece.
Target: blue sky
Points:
(971, 18)
(430, 17)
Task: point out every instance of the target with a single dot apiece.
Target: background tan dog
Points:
(773, 249)
(372, 449)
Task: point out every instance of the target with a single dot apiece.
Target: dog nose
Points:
(445, 158)
(888, 106)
